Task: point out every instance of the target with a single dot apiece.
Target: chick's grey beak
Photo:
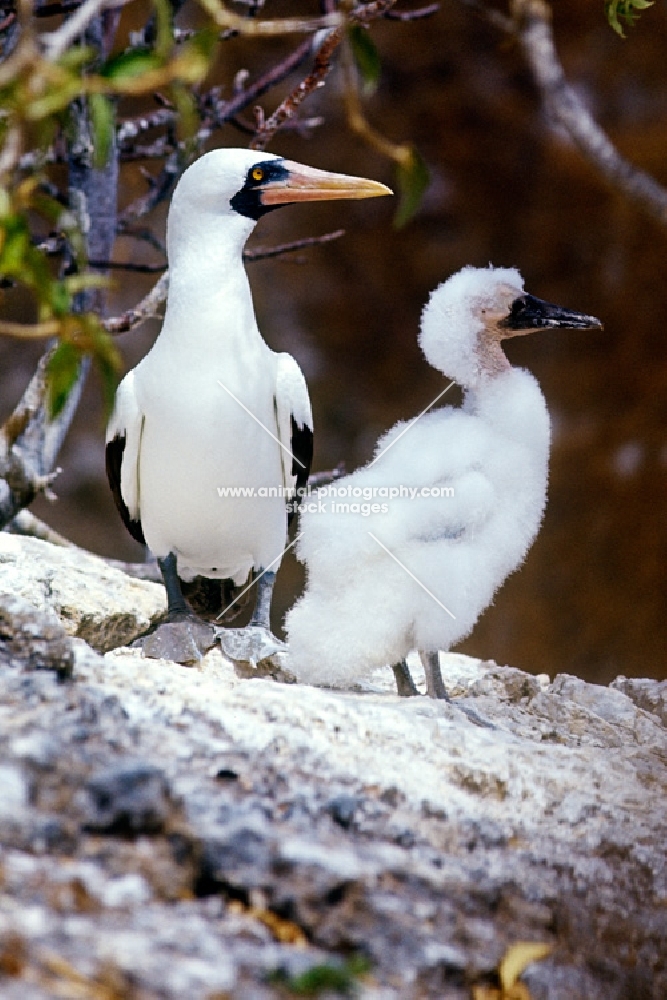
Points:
(301, 183)
(530, 313)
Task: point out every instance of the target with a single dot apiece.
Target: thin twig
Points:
(115, 265)
(55, 43)
(264, 253)
(300, 125)
(217, 113)
(412, 15)
(223, 111)
(131, 128)
(148, 308)
(288, 108)
(25, 523)
(362, 14)
(163, 146)
(160, 190)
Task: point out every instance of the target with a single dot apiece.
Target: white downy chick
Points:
(418, 572)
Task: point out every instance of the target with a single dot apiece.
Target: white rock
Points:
(93, 600)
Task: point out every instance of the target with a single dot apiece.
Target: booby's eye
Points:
(257, 174)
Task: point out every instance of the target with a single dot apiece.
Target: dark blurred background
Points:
(506, 188)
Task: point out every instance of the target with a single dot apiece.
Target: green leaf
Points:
(193, 60)
(102, 121)
(56, 99)
(131, 64)
(339, 979)
(626, 9)
(412, 179)
(366, 57)
(206, 42)
(76, 57)
(164, 34)
(15, 245)
(108, 364)
(187, 118)
(62, 371)
(60, 298)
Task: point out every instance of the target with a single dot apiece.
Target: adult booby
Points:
(459, 495)
(211, 407)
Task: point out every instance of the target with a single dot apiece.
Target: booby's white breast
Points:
(198, 439)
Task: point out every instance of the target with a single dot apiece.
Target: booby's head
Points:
(238, 186)
(470, 314)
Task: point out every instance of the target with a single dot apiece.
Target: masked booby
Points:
(211, 409)
(459, 495)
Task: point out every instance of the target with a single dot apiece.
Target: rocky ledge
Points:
(175, 832)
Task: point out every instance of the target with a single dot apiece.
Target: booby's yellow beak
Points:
(297, 182)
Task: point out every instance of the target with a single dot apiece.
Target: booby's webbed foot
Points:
(405, 686)
(256, 652)
(183, 640)
(435, 688)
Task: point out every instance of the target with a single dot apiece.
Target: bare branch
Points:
(116, 265)
(364, 13)
(55, 43)
(162, 187)
(26, 523)
(131, 128)
(223, 111)
(288, 108)
(534, 25)
(148, 308)
(264, 253)
(163, 146)
(412, 15)
(215, 114)
(30, 441)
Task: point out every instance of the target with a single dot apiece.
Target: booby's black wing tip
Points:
(302, 457)
(114, 460)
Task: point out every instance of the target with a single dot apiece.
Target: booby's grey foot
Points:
(183, 640)
(264, 581)
(256, 652)
(405, 686)
(435, 688)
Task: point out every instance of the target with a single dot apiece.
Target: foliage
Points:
(339, 979)
(38, 83)
(515, 961)
(628, 10)
(43, 73)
